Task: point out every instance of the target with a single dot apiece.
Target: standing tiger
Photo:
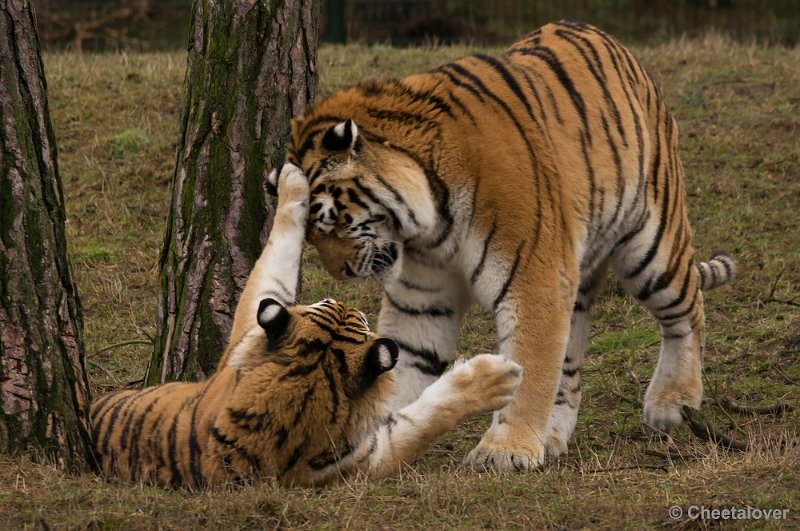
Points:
(299, 394)
(513, 182)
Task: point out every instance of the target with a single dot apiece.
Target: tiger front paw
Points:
(505, 455)
(484, 383)
(293, 192)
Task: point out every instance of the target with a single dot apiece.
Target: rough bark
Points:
(251, 67)
(43, 387)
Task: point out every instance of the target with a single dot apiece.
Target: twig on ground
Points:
(134, 383)
(671, 455)
(664, 468)
(715, 396)
(123, 344)
(625, 398)
(778, 408)
(108, 373)
(703, 429)
(771, 297)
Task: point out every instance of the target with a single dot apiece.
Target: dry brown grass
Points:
(737, 106)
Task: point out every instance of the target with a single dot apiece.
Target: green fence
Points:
(164, 24)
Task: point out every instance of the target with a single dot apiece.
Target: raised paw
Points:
(292, 183)
(484, 383)
(505, 456)
(292, 193)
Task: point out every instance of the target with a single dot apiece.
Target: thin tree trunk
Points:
(44, 393)
(251, 67)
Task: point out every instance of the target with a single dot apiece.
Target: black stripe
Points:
(111, 415)
(681, 295)
(569, 373)
(140, 396)
(172, 453)
(372, 197)
(98, 404)
(510, 277)
(590, 176)
(355, 199)
(399, 199)
(249, 420)
(294, 457)
(681, 314)
(725, 261)
(537, 96)
(335, 335)
(714, 277)
(437, 186)
(416, 287)
(195, 451)
(475, 79)
(618, 166)
(651, 252)
(156, 442)
(136, 438)
(596, 68)
(501, 69)
(550, 58)
(458, 82)
(220, 438)
(329, 457)
(429, 311)
(429, 361)
(486, 242)
(464, 110)
(334, 392)
(701, 270)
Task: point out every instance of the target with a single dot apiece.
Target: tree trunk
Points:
(44, 393)
(251, 67)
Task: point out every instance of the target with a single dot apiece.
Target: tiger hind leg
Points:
(663, 277)
(564, 415)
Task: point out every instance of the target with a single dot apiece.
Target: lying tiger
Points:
(514, 181)
(299, 394)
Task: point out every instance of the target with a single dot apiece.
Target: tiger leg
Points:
(276, 273)
(481, 384)
(666, 282)
(564, 416)
(533, 323)
(422, 312)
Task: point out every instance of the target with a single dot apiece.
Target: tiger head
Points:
(362, 189)
(317, 368)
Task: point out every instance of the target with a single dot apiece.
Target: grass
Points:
(738, 106)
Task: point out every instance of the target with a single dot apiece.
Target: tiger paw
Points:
(503, 456)
(555, 445)
(483, 383)
(293, 192)
(663, 416)
(663, 405)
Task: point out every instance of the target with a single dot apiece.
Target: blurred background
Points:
(97, 25)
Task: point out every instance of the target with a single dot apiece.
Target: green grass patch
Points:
(738, 109)
(129, 141)
(94, 252)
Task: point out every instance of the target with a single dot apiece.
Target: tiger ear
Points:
(341, 137)
(275, 319)
(381, 357)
